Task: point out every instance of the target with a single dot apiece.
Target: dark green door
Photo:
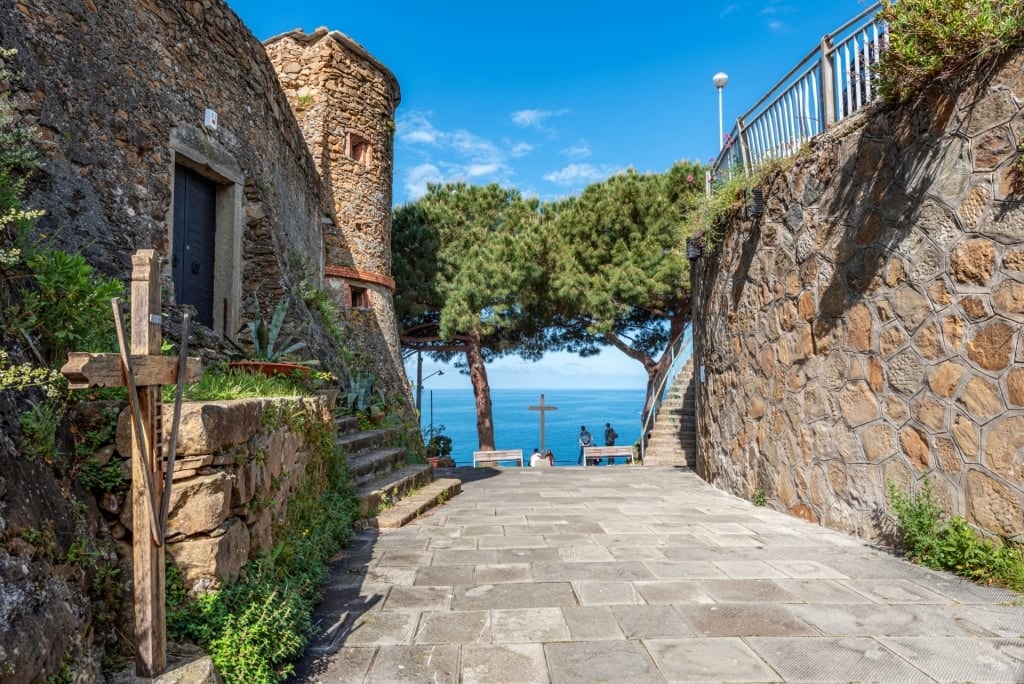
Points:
(195, 225)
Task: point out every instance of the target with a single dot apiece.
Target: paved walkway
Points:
(645, 575)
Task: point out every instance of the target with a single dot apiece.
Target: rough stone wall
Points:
(867, 328)
(233, 477)
(119, 92)
(343, 97)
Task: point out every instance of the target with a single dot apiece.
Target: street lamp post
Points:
(720, 79)
(419, 391)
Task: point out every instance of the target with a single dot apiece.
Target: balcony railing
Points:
(832, 82)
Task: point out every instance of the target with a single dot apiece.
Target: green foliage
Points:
(759, 498)
(949, 543)
(100, 477)
(65, 305)
(268, 340)
(253, 627)
(39, 433)
(935, 40)
(218, 383)
(44, 541)
(24, 375)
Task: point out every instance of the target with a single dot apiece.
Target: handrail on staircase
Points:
(671, 371)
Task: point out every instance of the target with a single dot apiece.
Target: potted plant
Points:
(439, 446)
(270, 345)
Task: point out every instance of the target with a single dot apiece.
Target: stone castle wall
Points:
(345, 101)
(867, 328)
(119, 95)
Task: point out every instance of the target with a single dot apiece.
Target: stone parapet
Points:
(867, 329)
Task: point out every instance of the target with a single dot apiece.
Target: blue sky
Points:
(548, 97)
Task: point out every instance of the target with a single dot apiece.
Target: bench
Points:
(498, 455)
(592, 453)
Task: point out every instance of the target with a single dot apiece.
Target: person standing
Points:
(550, 457)
(610, 435)
(586, 439)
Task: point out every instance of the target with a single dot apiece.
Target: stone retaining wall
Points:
(235, 470)
(867, 328)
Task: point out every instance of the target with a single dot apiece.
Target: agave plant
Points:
(268, 343)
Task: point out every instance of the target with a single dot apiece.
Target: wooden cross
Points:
(543, 409)
(143, 377)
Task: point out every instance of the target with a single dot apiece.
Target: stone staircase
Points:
(673, 440)
(390, 490)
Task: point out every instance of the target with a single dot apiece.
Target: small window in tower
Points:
(360, 298)
(359, 149)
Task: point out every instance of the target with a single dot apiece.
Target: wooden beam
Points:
(84, 370)
(148, 557)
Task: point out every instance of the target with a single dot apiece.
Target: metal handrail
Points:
(832, 82)
(662, 386)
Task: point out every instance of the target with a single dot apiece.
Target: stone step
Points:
(346, 424)
(363, 440)
(389, 488)
(367, 465)
(414, 505)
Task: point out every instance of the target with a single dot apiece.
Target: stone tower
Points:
(345, 101)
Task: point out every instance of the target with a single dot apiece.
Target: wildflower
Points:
(689, 178)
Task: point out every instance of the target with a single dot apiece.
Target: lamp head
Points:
(720, 79)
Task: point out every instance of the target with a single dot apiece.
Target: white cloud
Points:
(416, 180)
(579, 174)
(579, 151)
(478, 170)
(415, 128)
(777, 26)
(535, 117)
(520, 149)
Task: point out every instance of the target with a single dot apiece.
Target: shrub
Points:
(950, 543)
(932, 40)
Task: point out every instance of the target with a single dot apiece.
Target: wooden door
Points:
(195, 225)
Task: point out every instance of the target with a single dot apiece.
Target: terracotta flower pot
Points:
(271, 368)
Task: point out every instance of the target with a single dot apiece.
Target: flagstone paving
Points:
(644, 575)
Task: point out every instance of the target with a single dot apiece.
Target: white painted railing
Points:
(832, 82)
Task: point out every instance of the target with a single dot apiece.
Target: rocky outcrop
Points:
(867, 328)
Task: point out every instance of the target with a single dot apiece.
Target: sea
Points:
(517, 427)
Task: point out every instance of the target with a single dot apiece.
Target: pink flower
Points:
(689, 178)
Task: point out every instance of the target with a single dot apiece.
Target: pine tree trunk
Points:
(481, 392)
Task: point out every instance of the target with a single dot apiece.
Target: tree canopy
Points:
(483, 272)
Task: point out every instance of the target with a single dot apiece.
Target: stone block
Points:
(1009, 299)
(906, 372)
(945, 378)
(859, 332)
(1014, 261)
(206, 561)
(206, 427)
(893, 338)
(911, 307)
(966, 436)
(981, 398)
(953, 331)
(200, 504)
(858, 404)
(915, 445)
(1015, 386)
(939, 293)
(929, 412)
(973, 261)
(878, 441)
(990, 347)
(992, 505)
(1004, 448)
(974, 307)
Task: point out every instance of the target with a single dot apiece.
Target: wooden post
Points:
(543, 409)
(147, 554)
(150, 372)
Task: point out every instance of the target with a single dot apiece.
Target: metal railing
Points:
(675, 350)
(832, 82)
